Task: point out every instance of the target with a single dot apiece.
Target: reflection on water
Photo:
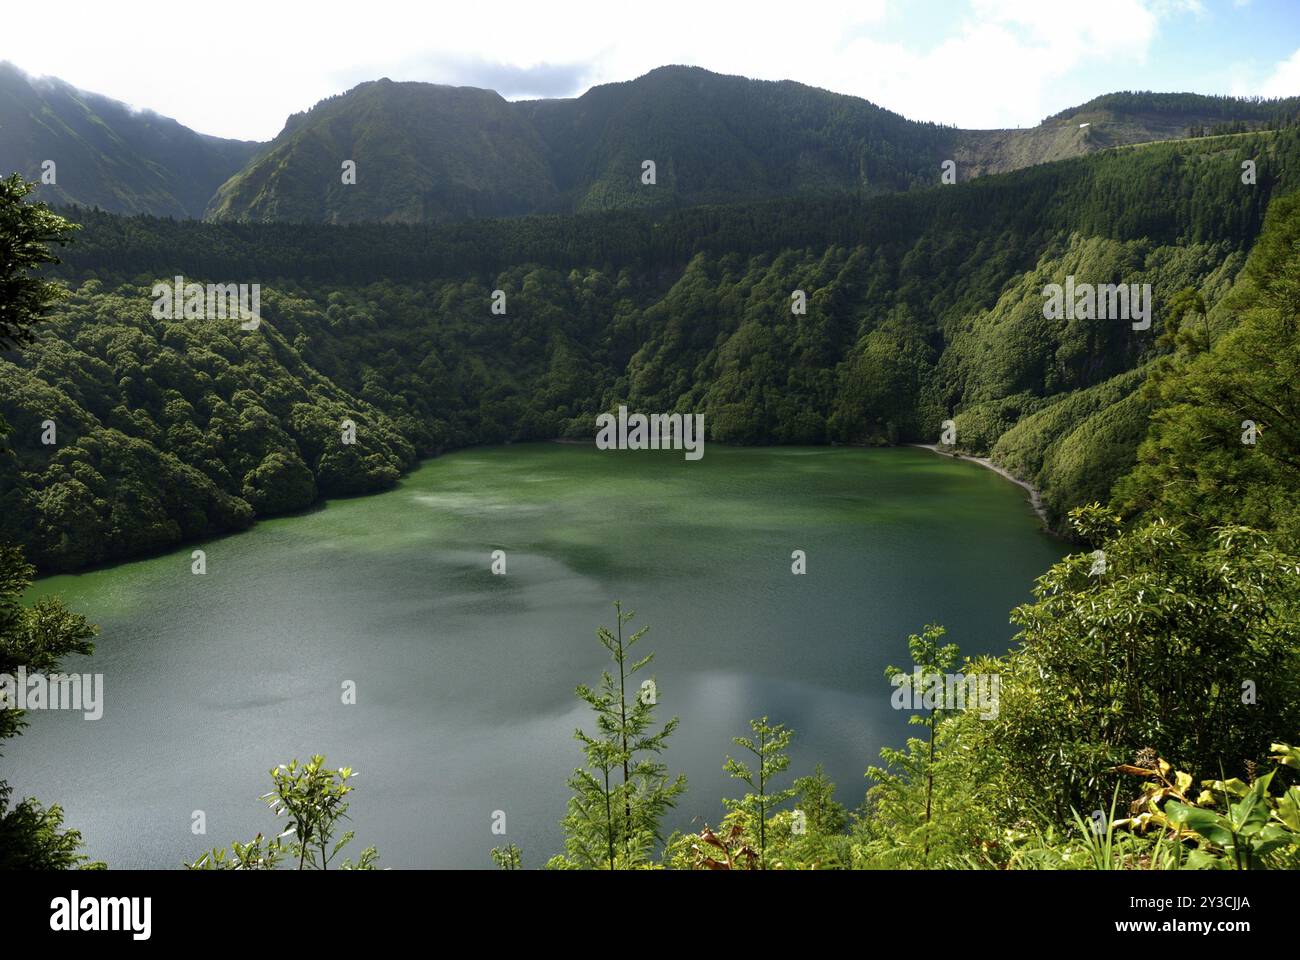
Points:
(465, 680)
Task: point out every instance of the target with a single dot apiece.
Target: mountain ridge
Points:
(429, 152)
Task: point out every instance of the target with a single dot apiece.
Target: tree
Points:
(1224, 445)
(1185, 644)
(26, 231)
(37, 638)
(509, 857)
(811, 836)
(768, 762)
(313, 798)
(962, 781)
(611, 822)
(1194, 336)
(932, 660)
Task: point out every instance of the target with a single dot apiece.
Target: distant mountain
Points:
(431, 153)
(106, 154)
(1115, 120)
(427, 152)
(424, 152)
(720, 138)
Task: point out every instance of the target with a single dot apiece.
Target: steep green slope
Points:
(164, 431)
(107, 155)
(721, 138)
(1224, 446)
(1057, 401)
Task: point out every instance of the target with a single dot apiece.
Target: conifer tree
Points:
(931, 659)
(766, 746)
(614, 821)
(816, 799)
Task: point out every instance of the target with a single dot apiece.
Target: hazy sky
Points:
(238, 68)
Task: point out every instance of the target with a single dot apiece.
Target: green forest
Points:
(921, 307)
(1161, 688)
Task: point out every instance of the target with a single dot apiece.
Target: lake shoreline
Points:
(1035, 498)
(320, 504)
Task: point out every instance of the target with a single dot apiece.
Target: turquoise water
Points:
(464, 679)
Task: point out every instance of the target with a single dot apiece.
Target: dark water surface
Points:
(465, 680)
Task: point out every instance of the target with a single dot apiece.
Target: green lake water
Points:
(464, 679)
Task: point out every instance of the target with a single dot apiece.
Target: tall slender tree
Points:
(613, 822)
(932, 660)
(766, 746)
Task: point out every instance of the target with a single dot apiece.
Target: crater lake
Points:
(464, 679)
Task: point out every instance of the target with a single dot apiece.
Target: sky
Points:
(239, 69)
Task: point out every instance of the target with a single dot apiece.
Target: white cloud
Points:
(1285, 81)
(1000, 65)
(240, 67)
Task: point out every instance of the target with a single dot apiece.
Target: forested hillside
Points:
(921, 306)
(1224, 445)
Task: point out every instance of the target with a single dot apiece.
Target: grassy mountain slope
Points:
(723, 138)
(452, 153)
